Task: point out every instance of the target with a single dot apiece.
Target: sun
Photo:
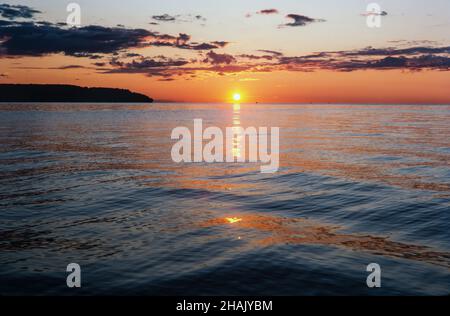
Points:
(237, 97)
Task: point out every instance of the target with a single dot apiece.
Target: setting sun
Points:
(237, 97)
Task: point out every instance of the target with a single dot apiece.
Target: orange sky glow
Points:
(317, 55)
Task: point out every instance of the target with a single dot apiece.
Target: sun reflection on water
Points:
(233, 220)
(237, 140)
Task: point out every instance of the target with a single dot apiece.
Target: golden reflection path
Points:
(283, 230)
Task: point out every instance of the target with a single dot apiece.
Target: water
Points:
(95, 184)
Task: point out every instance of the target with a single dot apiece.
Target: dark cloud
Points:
(300, 20)
(382, 13)
(68, 67)
(35, 39)
(65, 67)
(170, 69)
(268, 11)
(422, 62)
(370, 51)
(87, 55)
(156, 66)
(256, 57)
(198, 46)
(182, 41)
(133, 55)
(220, 43)
(31, 39)
(217, 59)
(202, 46)
(13, 12)
(178, 18)
(164, 18)
(412, 58)
(272, 52)
(200, 18)
(154, 63)
(162, 44)
(191, 46)
(114, 48)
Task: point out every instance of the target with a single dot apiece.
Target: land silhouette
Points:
(67, 93)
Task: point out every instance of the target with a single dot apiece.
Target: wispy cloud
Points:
(177, 18)
(300, 20)
(411, 59)
(164, 18)
(382, 13)
(268, 11)
(272, 52)
(263, 12)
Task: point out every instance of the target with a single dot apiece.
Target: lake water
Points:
(95, 184)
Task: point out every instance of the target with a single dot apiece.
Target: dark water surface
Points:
(96, 185)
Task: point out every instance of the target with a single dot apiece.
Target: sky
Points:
(304, 51)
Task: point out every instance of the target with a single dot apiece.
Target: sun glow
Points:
(237, 97)
(233, 220)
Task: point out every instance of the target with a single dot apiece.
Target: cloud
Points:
(382, 13)
(422, 62)
(113, 49)
(38, 39)
(220, 43)
(182, 41)
(268, 11)
(300, 20)
(145, 63)
(164, 18)
(13, 12)
(155, 66)
(272, 52)
(256, 57)
(194, 46)
(200, 18)
(68, 67)
(169, 69)
(202, 46)
(411, 58)
(178, 18)
(65, 67)
(370, 51)
(216, 59)
(31, 39)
